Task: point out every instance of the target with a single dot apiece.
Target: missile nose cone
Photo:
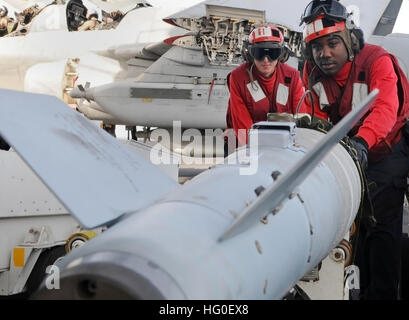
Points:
(117, 276)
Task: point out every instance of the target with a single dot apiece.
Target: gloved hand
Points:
(361, 148)
(318, 123)
(303, 121)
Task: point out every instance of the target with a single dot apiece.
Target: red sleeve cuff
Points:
(368, 135)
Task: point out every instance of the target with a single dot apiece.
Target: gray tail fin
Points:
(388, 19)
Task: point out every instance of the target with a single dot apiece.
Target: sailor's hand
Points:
(321, 124)
(361, 148)
(303, 120)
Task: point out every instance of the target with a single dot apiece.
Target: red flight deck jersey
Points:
(250, 102)
(335, 96)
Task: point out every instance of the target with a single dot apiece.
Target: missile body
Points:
(172, 249)
(156, 105)
(239, 231)
(180, 85)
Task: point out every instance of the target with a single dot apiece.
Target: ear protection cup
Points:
(357, 39)
(245, 52)
(287, 53)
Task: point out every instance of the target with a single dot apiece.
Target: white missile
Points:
(150, 104)
(248, 230)
(181, 84)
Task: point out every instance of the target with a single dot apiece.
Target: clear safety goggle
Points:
(331, 8)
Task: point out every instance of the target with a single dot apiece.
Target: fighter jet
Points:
(188, 82)
(49, 58)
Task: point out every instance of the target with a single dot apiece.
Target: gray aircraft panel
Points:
(275, 11)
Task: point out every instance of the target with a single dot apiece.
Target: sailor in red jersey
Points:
(262, 85)
(340, 71)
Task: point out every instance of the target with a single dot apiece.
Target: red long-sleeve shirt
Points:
(241, 118)
(383, 113)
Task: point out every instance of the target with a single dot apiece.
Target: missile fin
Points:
(273, 196)
(95, 177)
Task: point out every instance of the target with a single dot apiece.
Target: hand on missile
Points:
(361, 148)
(304, 121)
(321, 124)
